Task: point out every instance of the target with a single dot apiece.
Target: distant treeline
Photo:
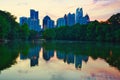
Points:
(94, 31)
(11, 30)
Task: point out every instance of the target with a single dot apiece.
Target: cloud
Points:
(95, 1)
(104, 2)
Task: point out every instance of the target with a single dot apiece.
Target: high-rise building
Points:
(33, 14)
(70, 19)
(32, 21)
(65, 17)
(79, 15)
(61, 22)
(23, 20)
(47, 22)
(50, 24)
(79, 18)
(87, 19)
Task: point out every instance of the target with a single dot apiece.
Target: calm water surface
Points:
(59, 61)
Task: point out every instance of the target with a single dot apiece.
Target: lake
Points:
(59, 60)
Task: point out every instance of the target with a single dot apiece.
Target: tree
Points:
(91, 30)
(4, 27)
(115, 19)
(49, 34)
(24, 32)
(8, 25)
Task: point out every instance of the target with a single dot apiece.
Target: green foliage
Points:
(107, 51)
(34, 34)
(10, 29)
(49, 34)
(115, 19)
(4, 27)
(24, 32)
(8, 55)
(94, 31)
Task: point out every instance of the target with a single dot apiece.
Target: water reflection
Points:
(8, 55)
(33, 55)
(82, 50)
(71, 58)
(47, 54)
(81, 59)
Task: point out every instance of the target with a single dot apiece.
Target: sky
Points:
(99, 10)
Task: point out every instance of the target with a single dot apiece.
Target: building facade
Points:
(23, 20)
(47, 23)
(70, 19)
(32, 21)
(61, 22)
(50, 24)
(79, 18)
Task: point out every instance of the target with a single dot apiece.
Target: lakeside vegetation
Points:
(108, 31)
(107, 51)
(11, 30)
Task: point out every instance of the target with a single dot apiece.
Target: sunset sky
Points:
(96, 9)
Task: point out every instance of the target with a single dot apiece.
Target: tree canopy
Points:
(11, 30)
(93, 31)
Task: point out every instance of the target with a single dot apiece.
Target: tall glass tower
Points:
(79, 15)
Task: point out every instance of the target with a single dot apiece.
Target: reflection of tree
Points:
(95, 50)
(9, 52)
(8, 55)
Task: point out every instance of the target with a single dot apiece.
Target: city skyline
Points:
(97, 9)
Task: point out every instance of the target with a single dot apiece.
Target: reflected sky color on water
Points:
(42, 63)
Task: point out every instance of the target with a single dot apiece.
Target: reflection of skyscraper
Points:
(85, 58)
(33, 55)
(61, 56)
(78, 60)
(23, 57)
(70, 58)
(34, 61)
(47, 54)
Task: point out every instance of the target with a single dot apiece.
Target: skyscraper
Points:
(61, 22)
(70, 19)
(65, 17)
(23, 20)
(79, 15)
(47, 22)
(50, 24)
(32, 21)
(33, 14)
(79, 18)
